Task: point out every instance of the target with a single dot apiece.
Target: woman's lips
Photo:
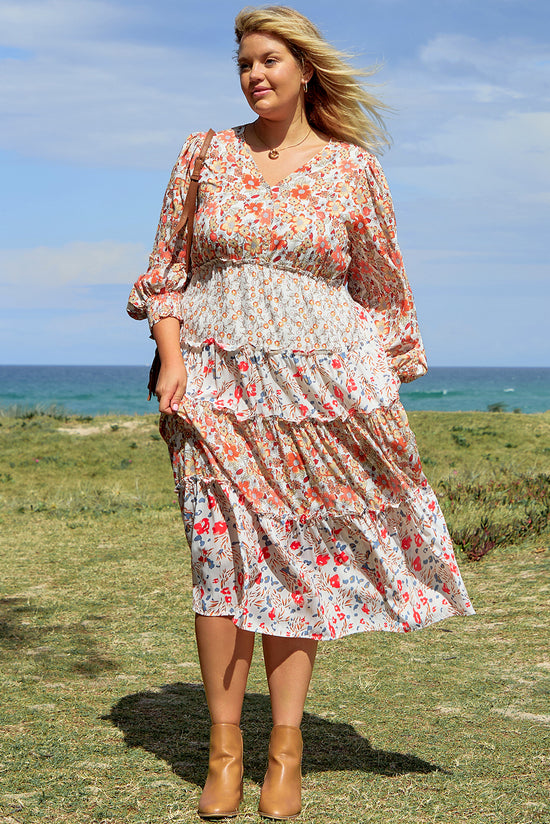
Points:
(260, 92)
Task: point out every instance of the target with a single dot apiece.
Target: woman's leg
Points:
(225, 655)
(288, 665)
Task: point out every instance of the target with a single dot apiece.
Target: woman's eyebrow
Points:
(270, 53)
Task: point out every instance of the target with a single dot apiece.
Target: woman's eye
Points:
(270, 61)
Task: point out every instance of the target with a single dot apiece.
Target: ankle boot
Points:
(223, 790)
(281, 796)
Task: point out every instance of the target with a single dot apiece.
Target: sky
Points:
(97, 97)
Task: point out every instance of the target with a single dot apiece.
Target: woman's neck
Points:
(278, 132)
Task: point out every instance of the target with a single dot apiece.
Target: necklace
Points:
(273, 154)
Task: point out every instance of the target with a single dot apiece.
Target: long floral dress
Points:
(302, 493)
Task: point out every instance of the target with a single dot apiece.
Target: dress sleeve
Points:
(376, 276)
(157, 293)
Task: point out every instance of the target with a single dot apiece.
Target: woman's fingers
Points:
(176, 399)
(165, 403)
(170, 388)
(169, 400)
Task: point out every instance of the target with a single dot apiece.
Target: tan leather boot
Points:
(223, 790)
(281, 796)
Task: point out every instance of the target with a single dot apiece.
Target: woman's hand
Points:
(171, 385)
(172, 379)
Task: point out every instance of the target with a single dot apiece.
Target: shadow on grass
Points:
(13, 633)
(67, 648)
(174, 725)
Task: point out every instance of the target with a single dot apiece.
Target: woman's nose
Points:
(256, 72)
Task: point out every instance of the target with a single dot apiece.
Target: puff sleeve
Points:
(376, 276)
(157, 293)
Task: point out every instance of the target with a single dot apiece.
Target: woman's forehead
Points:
(264, 42)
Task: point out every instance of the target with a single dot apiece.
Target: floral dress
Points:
(304, 502)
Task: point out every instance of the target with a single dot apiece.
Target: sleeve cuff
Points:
(167, 305)
(410, 366)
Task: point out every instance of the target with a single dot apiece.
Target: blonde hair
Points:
(337, 102)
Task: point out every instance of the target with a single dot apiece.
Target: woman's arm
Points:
(376, 277)
(157, 293)
(172, 379)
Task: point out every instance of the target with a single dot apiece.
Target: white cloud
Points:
(28, 274)
(505, 157)
(499, 60)
(50, 24)
(471, 162)
(471, 174)
(86, 94)
(67, 304)
(455, 76)
(83, 94)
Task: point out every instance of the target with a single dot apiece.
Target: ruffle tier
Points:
(288, 384)
(304, 502)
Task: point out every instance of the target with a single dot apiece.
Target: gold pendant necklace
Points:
(273, 154)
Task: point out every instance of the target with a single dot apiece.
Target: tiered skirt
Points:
(304, 502)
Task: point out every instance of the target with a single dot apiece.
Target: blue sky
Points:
(97, 96)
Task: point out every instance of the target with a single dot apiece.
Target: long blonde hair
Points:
(337, 102)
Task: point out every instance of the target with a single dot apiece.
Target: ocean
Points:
(97, 390)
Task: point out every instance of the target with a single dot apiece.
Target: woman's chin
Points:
(259, 104)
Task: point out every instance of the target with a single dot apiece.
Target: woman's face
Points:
(271, 77)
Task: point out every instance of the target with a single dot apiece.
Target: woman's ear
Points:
(307, 72)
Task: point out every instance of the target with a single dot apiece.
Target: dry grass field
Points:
(103, 718)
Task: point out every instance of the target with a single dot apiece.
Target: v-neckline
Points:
(245, 150)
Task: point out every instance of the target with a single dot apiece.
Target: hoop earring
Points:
(305, 87)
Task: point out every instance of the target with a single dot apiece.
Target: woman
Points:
(303, 498)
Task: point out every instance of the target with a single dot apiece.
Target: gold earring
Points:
(305, 87)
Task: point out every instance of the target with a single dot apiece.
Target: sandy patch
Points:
(522, 716)
(449, 710)
(95, 430)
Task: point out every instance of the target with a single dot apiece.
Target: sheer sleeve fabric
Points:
(376, 276)
(157, 293)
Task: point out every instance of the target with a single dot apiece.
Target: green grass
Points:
(103, 717)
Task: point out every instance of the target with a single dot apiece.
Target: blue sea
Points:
(96, 390)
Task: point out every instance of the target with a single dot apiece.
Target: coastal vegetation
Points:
(103, 718)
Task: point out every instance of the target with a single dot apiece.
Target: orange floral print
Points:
(305, 507)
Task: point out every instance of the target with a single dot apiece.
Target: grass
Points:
(103, 718)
